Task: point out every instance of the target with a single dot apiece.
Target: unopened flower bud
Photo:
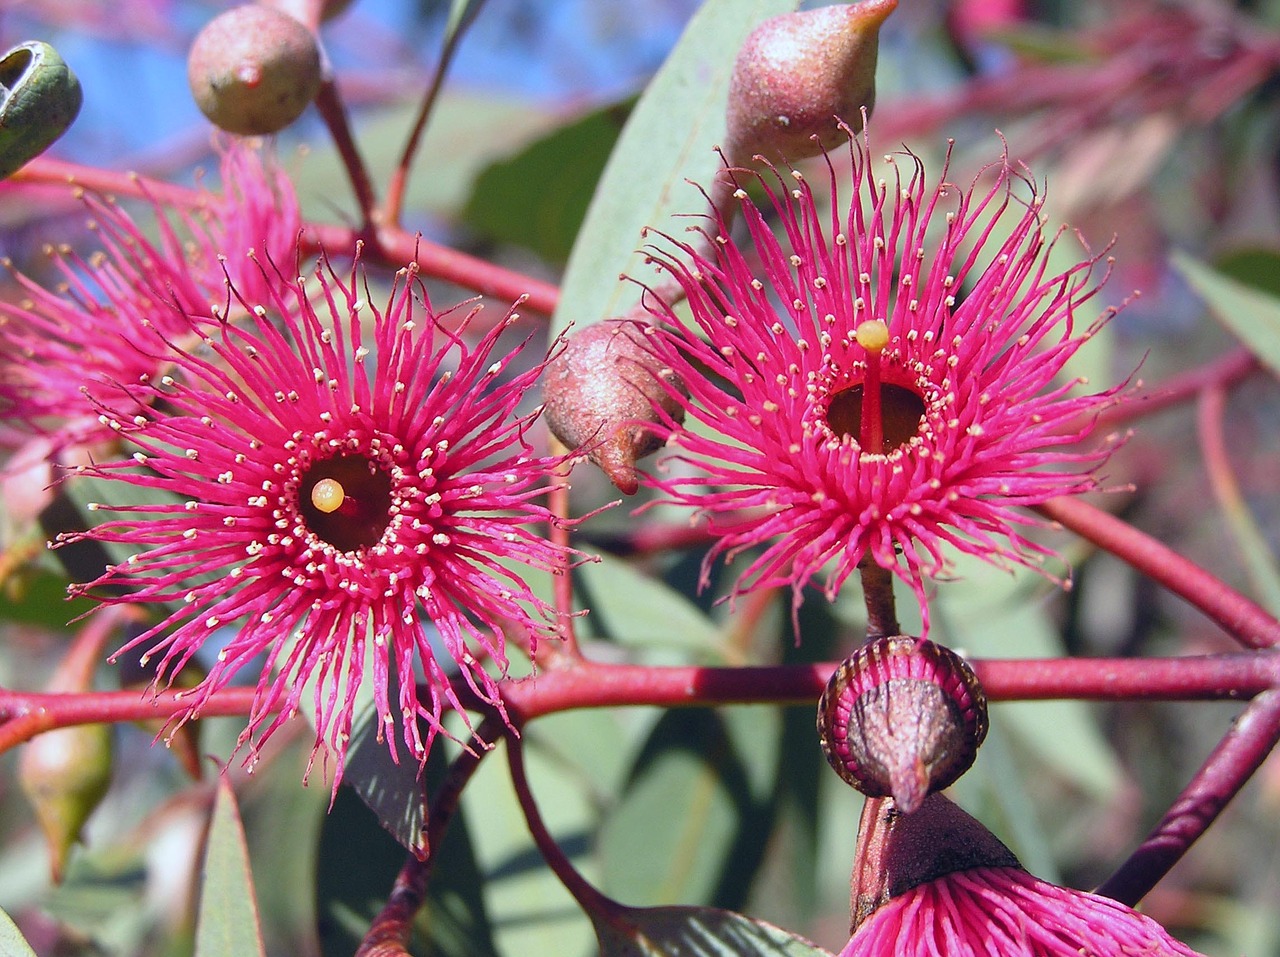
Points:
(39, 98)
(603, 392)
(902, 718)
(64, 774)
(798, 74)
(253, 70)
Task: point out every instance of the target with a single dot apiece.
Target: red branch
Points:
(1231, 764)
(586, 684)
(1243, 619)
(390, 246)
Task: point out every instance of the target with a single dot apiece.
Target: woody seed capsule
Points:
(902, 718)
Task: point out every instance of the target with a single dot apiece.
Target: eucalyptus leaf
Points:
(537, 197)
(694, 932)
(698, 808)
(228, 919)
(357, 863)
(636, 610)
(1250, 314)
(669, 138)
(12, 943)
(995, 614)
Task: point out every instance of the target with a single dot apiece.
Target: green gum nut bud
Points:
(253, 70)
(39, 98)
(64, 774)
(798, 74)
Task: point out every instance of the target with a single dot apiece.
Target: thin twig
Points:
(388, 935)
(400, 175)
(334, 113)
(1242, 618)
(1231, 764)
(590, 899)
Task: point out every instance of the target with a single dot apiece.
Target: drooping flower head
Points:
(949, 888)
(1006, 911)
(60, 347)
(337, 484)
(881, 381)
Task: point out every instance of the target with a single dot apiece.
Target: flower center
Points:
(900, 412)
(880, 415)
(346, 501)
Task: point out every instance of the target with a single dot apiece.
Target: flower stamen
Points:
(872, 335)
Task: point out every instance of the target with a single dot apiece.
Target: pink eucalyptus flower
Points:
(936, 883)
(106, 324)
(1004, 910)
(340, 484)
(881, 381)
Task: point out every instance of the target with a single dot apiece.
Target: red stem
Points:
(1224, 773)
(562, 580)
(877, 593)
(400, 175)
(586, 684)
(588, 898)
(388, 935)
(1242, 618)
(390, 246)
(1225, 372)
(329, 103)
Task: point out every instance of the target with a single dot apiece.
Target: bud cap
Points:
(604, 391)
(798, 74)
(902, 717)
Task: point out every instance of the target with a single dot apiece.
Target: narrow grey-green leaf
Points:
(12, 943)
(1251, 315)
(694, 932)
(668, 139)
(228, 921)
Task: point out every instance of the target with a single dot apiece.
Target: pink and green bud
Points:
(605, 392)
(253, 70)
(798, 74)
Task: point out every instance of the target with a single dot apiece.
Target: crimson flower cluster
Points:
(65, 346)
(880, 382)
(347, 487)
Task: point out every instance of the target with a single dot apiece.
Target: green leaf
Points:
(12, 943)
(994, 614)
(1250, 314)
(698, 809)
(357, 863)
(538, 197)
(634, 609)
(1256, 266)
(391, 789)
(694, 932)
(668, 139)
(228, 920)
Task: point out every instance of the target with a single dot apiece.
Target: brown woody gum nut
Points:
(600, 394)
(901, 718)
(796, 73)
(253, 70)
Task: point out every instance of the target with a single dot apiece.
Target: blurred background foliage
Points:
(732, 807)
